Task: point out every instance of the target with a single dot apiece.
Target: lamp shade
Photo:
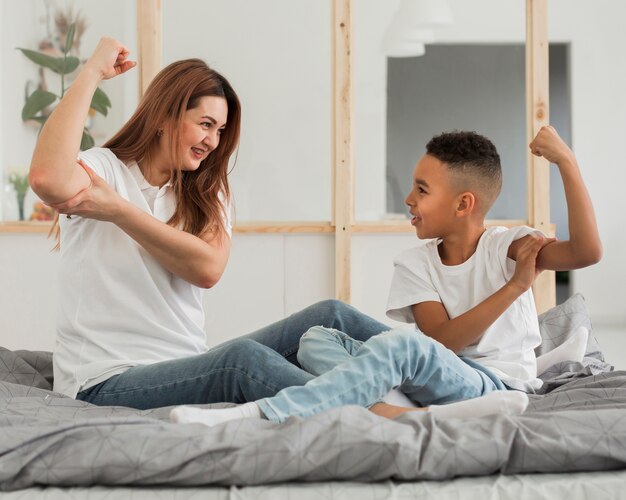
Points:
(414, 35)
(405, 49)
(414, 14)
(411, 26)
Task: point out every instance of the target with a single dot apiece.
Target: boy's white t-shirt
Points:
(507, 346)
(118, 306)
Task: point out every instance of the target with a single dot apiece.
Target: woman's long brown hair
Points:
(174, 90)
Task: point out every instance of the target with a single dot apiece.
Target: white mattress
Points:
(573, 486)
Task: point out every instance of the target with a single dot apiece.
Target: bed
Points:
(54, 446)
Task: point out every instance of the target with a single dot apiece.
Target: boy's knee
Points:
(406, 337)
(310, 341)
(315, 334)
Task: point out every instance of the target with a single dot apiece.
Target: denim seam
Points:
(289, 352)
(143, 388)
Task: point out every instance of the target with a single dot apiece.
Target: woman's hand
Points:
(110, 58)
(97, 201)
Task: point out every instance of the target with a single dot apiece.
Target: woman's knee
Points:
(242, 351)
(330, 309)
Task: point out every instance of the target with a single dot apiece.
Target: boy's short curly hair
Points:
(473, 161)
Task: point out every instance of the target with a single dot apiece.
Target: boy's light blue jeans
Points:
(361, 373)
(244, 369)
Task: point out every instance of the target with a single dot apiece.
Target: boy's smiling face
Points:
(432, 201)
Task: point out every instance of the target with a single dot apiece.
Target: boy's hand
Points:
(548, 144)
(526, 269)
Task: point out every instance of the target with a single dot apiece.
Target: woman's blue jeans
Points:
(244, 369)
(352, 372)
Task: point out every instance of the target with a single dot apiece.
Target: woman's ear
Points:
(466, 204)
(164, 128)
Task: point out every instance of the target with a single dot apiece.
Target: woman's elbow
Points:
(44, 187)
(37, 182)
(209, 279)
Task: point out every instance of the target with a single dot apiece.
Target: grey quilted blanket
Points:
(49, 439)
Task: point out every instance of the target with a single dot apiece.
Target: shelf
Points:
(277, 227)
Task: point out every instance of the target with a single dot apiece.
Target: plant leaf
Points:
(42, 59)
(39, 119)
(87, 141)
(36, 102)
(69, 38)
(100, 102)
(60, 65)
(68, 64)
(102, 97)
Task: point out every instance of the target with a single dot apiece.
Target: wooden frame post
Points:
(343, 144)
(149, 29)
(538, 115)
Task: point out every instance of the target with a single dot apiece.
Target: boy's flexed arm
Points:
(456, 334)
(583, 247)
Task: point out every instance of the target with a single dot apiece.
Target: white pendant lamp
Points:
(412, 25)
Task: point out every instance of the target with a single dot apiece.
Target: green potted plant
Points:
(19, 181)
(38, 103)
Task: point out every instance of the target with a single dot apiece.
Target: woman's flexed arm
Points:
(54, 173)
(198, 260)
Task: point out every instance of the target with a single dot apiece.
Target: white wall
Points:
(598, 131)
(270, 276)
(1, 113)
(22, 25)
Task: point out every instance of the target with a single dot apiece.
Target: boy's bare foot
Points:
(502, 402)
(391, 411)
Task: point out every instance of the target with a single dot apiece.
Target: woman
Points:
(146, 228)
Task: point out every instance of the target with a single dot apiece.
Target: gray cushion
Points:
(556, 326)
(31, 368)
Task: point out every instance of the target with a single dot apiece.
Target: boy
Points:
(467, 290)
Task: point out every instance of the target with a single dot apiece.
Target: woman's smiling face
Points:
(202, 127)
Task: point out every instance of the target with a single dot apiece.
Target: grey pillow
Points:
(556, 326)
(31, 368)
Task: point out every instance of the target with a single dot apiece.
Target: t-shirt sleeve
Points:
(411, 284)
(102, 161)
(227, 214)
(502, 241)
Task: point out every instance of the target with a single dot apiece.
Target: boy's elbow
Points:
(595, 254)
(592, 255)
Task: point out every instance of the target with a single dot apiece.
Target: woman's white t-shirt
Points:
(507, 346)
(118, 306)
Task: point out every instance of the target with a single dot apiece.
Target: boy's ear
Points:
(466, 204)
